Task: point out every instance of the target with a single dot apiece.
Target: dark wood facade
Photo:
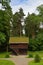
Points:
(19, 48)
(18, 45)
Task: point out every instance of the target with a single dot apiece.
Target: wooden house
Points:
(19, 45)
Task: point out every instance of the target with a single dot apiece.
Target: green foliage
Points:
(35, 52)
(36, 44)
(5, 18)
(3, 54)
(2, 37)
(7, 55)
(30, 55)
(40, 9)
(17, 26)
(32, 25)
(37, 58)
(33, 45)
(40, 41)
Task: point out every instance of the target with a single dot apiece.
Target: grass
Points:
(18, 39)
(36, 52)
(6, 62)
(33, 63)
(3, 54)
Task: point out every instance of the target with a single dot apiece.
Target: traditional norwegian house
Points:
(19, 45)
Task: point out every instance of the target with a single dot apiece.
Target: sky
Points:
(27, 5)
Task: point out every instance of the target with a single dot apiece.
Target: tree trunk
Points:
(33, 35)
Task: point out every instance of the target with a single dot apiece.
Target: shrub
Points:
(37, 58)
(30, 55)
(33, 45)
(36, 44)
(7, 55)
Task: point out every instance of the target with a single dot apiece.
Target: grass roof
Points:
(18, 40)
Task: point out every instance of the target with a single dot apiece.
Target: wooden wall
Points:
(20, 48)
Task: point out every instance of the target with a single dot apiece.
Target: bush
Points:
(36, 44)
(30, 55)
(33, 45)
(7, 55)
(37, 58)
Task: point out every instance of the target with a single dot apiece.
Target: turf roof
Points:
(18, 40)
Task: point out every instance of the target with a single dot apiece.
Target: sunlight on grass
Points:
(36, 52)
(33, 63)
(6, 62)
(3, 54)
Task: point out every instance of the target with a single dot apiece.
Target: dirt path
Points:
(20, 60)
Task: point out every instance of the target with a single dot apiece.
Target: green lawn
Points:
(6, 62)
(33, 63)
(36, 52)
(3, 54)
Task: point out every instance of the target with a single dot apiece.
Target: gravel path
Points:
(19, 60)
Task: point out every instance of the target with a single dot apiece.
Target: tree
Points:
(2, 38)
(21, 15)
(40, 9)
(17, 20)
(32, 25)
(5, 19)
(36, 44)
